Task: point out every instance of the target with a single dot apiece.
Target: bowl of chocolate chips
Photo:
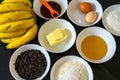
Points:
(29, 62)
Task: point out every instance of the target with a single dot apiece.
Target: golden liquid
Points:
(94, 47)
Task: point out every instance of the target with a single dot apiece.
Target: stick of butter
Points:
(56, 37)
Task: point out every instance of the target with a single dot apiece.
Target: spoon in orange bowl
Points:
(53, 12)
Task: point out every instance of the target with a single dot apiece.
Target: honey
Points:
(94, 47)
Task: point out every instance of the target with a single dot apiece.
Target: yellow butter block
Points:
(56, 37)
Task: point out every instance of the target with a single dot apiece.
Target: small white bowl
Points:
(62, 60)
(22, 49)
(37, 4)
(105, 35)
(78, 17)
(108, 10)
(50, 26)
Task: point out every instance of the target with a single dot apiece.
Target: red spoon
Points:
(53, 12)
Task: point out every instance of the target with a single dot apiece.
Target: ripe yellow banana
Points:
(9, 40)
(13, 6)
(26, 2)
(14, 26)
(14, 16)
(12, 34)
(27, 37)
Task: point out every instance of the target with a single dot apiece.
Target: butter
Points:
(56, 37)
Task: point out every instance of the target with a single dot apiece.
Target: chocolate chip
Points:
(30, 64)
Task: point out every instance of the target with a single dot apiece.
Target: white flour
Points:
(72, 70)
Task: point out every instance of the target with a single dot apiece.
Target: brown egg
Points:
(85, 7)
(91, 17)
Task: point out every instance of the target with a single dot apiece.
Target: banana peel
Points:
(9, 40)
(13, 6)
(14, 16)
(17, 25)
(26, 2)
(12, 34)
(27, 37)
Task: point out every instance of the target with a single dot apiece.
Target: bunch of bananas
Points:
(17, 23)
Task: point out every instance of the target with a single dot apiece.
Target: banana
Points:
(14, 26)
(26, 2)
(12, 34)
(27, 37)
(34, 16)
(9, 40)
(14, 16)
(13, 6)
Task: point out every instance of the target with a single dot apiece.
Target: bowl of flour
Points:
(71, 68)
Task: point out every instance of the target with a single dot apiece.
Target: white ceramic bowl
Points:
(105, 35)
(78, 17)
(50, 26)
(108, 26)
(62, 60)
(37, 4)
(22, 49)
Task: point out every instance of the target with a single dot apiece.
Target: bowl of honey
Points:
(60, 6)
(96, 44)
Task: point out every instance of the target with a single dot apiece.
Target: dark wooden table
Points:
(106, 71)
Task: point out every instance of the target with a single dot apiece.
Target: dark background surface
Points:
(106, 71)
